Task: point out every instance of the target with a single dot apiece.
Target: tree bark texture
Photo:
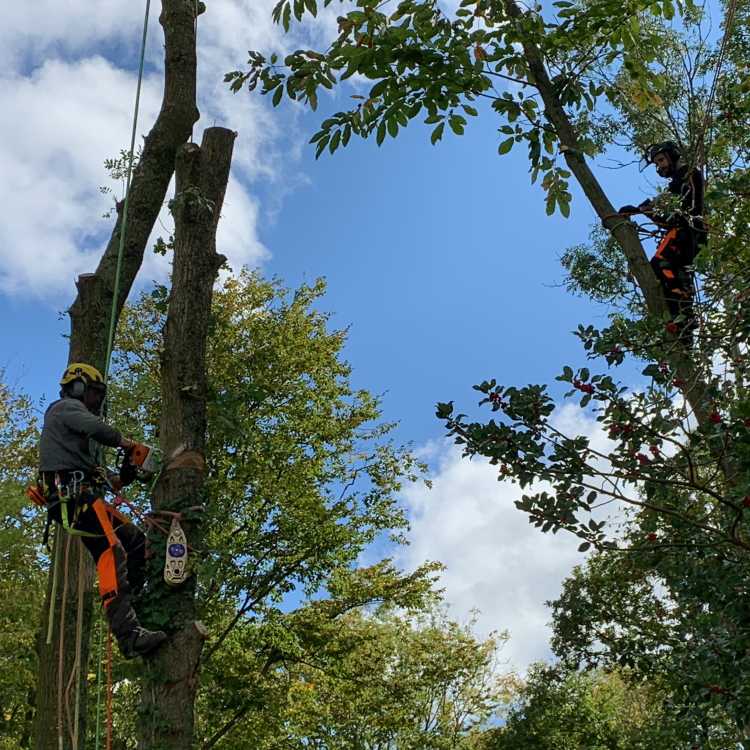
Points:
(696, 391)
(169, 687)
(90, 316)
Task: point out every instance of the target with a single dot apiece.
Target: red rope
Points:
(143, 517)
(148, 518)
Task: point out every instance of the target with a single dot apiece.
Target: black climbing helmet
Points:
(670, 148)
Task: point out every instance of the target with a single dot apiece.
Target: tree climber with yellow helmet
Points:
(73, 486)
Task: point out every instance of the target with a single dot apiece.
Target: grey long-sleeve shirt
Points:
(68, 429)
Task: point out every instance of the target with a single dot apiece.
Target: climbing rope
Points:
(108, 358)
(124, 225)
(61, 645)
(63, 694)
(728, 23)
(57, 559)
(100, 648)
(74, 679)
(109, 688)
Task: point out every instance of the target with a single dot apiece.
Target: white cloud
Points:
(52, 152)
(69, 83)
(34, 30)
(496, 562)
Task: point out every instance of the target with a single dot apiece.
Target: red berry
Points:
(652, 537)
(715, 417)
(642, 458)
(746, 501)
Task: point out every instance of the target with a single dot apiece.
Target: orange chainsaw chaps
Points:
(666, 241)
(107, 570)
(106, 566)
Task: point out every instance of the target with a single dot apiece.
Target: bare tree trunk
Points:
(90, 315)
(170, 683)
(696, 390)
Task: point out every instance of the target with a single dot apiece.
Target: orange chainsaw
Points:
(141, 462)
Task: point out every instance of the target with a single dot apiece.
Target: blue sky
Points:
(440, 259)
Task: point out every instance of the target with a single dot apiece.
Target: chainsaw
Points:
(141, 462)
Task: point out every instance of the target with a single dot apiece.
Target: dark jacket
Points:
(69, 428)
(687, 184)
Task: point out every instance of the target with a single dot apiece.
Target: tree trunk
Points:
(696, 391)
(169, 687)
(90, 316)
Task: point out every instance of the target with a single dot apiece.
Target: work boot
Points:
(132, 639)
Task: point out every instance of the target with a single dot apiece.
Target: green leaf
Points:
(505, 146)
(277, 95)
(312, 7)
(322, 143)
(437, 133)
(378, 89)
(380, 137)
(456, 125)
(444, 410)
(392, 127)
(583, 547)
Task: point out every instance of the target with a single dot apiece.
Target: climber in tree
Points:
(73, 486)
(683, 225)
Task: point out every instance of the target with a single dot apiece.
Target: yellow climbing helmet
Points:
(81, 371)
